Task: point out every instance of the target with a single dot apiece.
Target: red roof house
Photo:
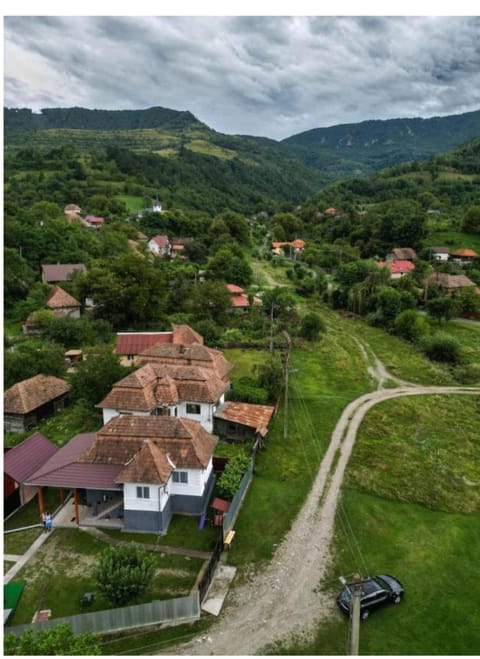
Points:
(397, 268)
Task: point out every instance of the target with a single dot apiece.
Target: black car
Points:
(376, 592)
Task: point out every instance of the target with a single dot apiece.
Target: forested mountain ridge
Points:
(380, 143)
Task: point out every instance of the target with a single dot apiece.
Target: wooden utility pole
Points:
(356, 590)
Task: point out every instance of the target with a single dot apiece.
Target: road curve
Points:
(286, 598)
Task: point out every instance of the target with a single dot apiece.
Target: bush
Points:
(312, 325)
(124, 572)
(442, 347)
(409, 325)
(247, 390)
(229, 481)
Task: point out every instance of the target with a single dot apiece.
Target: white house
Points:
(440, 254)
(159, 246)
(137, 470)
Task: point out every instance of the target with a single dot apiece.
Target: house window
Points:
(180, 476)
(143, 492)
(130, 358)
(193, 408)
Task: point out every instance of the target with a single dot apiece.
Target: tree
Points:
(124, 572)
(441, 307)
(33, 357)
(127, 291)
(93, 378)
(442, 347)
(57, 641)
(270, 376)
(210, 301)
(471, 220)
(312, 325)
(410, 325)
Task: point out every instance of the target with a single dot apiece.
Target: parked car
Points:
(376, 592)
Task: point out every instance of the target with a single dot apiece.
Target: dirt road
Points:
(287, 597)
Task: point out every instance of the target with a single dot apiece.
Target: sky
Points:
(269, 75)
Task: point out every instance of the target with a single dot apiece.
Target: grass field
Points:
(134, 204)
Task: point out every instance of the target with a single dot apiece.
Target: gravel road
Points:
(287, 598)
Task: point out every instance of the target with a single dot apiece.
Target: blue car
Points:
(376, 592)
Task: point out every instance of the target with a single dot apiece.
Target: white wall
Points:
(205, 417)
(156, 502)
(108, 413)
(197, 479)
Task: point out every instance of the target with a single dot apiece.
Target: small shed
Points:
(31, 400)
(220, 507)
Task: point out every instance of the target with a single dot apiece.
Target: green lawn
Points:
(62, 570)
(134, 204)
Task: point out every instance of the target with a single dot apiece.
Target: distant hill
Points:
(24, 120)
(376, 144)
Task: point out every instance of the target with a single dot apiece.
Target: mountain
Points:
(376, 144)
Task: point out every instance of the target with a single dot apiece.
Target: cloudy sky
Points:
(261, 75)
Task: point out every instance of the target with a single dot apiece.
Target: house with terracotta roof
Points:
(240, 422)
(31, 400)
(294, 247)
(131, 344)
(138, 471)
(23, 460)
(55, 273)
(94, 222)
(464, 256)
(402, 254)
(188, 392)
(239, 299)
(159, 246)
(397, 268)
(62, 303)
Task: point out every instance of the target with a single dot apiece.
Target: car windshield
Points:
(382, 584)
(370, 586)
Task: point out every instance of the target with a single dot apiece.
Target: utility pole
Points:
(356, 590)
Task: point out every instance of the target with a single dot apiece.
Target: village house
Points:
(55, 273)
(440, 254)
(131, 344)
(62, 303)
(450, 284)
(159, 246)
(31, 400)
(189, 392)
(240, 300)
(401, 254)
(19, 463)
(464, 256)
(72, 212)
(397, 269)
(94, 222)
(136, 472)
(240, 422)
(293, 247)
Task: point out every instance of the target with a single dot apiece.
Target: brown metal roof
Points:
(247, 414)
(60, 271)
(27, 457)
(59, 299)
(28, 395)
(64, 469)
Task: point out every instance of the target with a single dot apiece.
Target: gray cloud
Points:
(271, 76)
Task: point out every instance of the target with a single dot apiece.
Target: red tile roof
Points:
(397, 267)
(247, 414)
(233, 288)
(93, 219)
(27, 457)
(161, 241)
(61, 271)
(133, 343)
(28, 395)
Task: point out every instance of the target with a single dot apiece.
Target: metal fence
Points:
(209, 573)
(177, 611)
(232, 513)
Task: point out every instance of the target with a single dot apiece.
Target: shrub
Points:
(409, 325)
(229, 481)
(124, 572)
(312, 325)
(442, 348)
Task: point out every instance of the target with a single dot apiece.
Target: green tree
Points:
(210, 301)
(312, 325)
(58, 641)
(128, 291)
(93, 378)
(33, 357)
(124, 573)
(466, 301)
(441, 307)
(17, 277)
(409, 325)
(442, 347)
(471, 220)
(270, 376)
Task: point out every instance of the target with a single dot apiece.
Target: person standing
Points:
(43, 517)
(48, 522)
